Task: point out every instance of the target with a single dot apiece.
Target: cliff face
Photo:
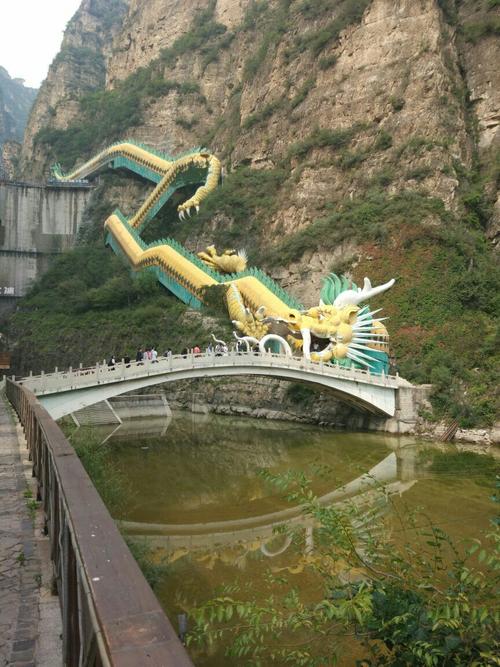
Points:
(265, 75)
(15, 104)
(79, 68)
(358, 136)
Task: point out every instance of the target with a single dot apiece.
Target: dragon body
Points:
(341, 328)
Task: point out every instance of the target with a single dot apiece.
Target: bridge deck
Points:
(75, 378)
(64, 392)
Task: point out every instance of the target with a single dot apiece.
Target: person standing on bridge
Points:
(154, 355)
(139, 355)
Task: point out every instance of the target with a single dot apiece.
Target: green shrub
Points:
(349, 160)
(419, 173)
(425, 600)
(263, 114)
(186, 123)
(327, 61)
(397, 102)
(302, 93)
(449, 9)
(488, 27)
(202, 32)
(383, 141)
(321, 138)
(275, 26)
(254, 10)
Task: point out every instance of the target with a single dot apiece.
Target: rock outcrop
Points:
(15, 103)
(78, 68)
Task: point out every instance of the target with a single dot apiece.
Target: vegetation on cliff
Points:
(401, 199)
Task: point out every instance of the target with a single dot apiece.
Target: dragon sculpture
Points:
(229, 261)
(340, 329)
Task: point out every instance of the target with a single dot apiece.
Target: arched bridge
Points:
(64, 392)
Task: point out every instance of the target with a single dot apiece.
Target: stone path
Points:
(20, 573)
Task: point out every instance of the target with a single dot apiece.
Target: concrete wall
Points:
(36, 222)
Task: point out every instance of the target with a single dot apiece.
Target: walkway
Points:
(20, 566)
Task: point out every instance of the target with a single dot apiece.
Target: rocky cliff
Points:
(78, 69)
(15, 104)
(358, 136)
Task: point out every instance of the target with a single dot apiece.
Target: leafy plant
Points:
(423, 600)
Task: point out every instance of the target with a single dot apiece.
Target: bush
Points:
(424, 600)
(383, 141)
(327, 61)
(321, 138)
(397, 102)
(273, 30)
(488, 27)
(202, 32)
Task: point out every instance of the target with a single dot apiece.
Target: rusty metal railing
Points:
(110, 615)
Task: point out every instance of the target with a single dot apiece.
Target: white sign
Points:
(7, 291)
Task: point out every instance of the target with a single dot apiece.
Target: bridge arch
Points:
(65, 392)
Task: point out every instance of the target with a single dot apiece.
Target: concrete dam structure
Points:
(36, 222)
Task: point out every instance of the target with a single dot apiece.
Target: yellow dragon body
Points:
(337, 329)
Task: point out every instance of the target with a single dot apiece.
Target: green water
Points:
(196, 492)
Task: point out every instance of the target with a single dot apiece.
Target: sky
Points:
(31, 32)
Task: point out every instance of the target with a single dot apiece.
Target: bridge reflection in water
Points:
(370, 491)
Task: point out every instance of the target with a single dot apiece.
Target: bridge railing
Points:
(111, 617)
(102, 373)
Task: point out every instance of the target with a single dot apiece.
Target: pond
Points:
(196, 492)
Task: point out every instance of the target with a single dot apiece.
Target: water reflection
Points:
(197, 496)
(197, 486)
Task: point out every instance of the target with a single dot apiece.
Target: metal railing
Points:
(111, 617)
(102, 373)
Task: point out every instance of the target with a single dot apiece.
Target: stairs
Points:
(93, 415)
